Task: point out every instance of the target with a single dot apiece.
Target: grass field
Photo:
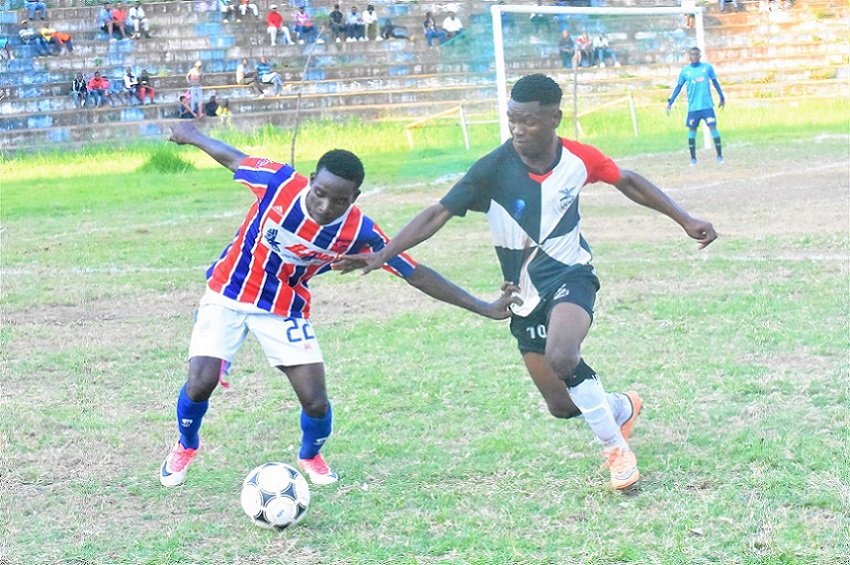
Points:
(446, 451)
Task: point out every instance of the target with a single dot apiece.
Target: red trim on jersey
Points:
(403, 256)
(599, 167)
(540, 178)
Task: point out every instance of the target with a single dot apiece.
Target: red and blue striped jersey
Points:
(279, 248)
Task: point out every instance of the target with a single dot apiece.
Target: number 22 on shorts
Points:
(299, 329)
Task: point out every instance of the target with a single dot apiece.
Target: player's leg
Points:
(216, 337)
(692, 122)
(692, 144)
(192, 405)
(567, 328)
(291, 346)
(711, 122)
(624, 407)
(308, 381)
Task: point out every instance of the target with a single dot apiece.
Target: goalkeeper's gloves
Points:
(722, 103)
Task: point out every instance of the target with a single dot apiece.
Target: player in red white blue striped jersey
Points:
(529, 188)
(297, 228)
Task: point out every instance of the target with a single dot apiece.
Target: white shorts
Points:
(220, 332)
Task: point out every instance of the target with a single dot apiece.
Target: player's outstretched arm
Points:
(641, 190)
(436, 286)
(424, 225)
(185, 133)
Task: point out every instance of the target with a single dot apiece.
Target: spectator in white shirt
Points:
(370, 20)
(452, 26)
(139, 21)
(601, 50)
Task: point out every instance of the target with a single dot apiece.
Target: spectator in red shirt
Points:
(119, 17)
(274, 21)
(98, 88)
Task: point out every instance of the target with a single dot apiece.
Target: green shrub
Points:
(166, 159)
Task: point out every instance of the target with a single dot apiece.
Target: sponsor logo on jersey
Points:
(292, 248)
(566, 197)
(563, 292)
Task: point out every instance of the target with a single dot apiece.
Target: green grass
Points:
(446, 451)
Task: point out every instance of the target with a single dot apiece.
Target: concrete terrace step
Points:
(389, 99)
(123, 133)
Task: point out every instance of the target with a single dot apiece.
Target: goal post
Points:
(497, 10)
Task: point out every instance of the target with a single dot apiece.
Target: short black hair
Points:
(697, 49)
(344, 164)
(537, 88)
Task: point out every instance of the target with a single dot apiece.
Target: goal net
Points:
(648, 47)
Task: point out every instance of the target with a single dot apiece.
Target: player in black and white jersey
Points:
(529, 189)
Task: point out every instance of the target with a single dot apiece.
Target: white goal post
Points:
(498, 39)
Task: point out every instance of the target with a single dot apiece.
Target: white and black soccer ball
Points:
(275, 495)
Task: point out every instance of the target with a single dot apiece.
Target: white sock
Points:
(590, 397)
(621, 407)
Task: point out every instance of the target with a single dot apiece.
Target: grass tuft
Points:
(166, 159)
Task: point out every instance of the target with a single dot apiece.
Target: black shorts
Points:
(530, 331)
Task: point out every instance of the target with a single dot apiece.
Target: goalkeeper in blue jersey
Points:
(700, 104)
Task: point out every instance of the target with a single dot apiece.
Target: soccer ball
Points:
(275, 496)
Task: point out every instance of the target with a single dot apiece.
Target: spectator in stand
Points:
(57, 39)
(228, 13)
(104, 20)
(184, 110)
(146, 87)
(34, 7)
(28, 36)
(567, 48)
(139, 21)
(193, 77)
(392, 31)
(245, 5)
(452, 26)
(584, 46)
(98, 89)
(131, 86)
(244, 75)
(79, 90)
(211, 107)
(268, 76)
(602, 50)
(336, 23)
(47, 33)
(4, 45)
(223, 112)
(541, 20)
(370, 21)
(304, 29)
(119, 19)
(354, 26)
(721, 2)
(275, 26)
(431, 31)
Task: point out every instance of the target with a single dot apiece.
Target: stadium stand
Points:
(801, 50)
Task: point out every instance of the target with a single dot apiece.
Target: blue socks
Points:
(189, 417)
(314, 432)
